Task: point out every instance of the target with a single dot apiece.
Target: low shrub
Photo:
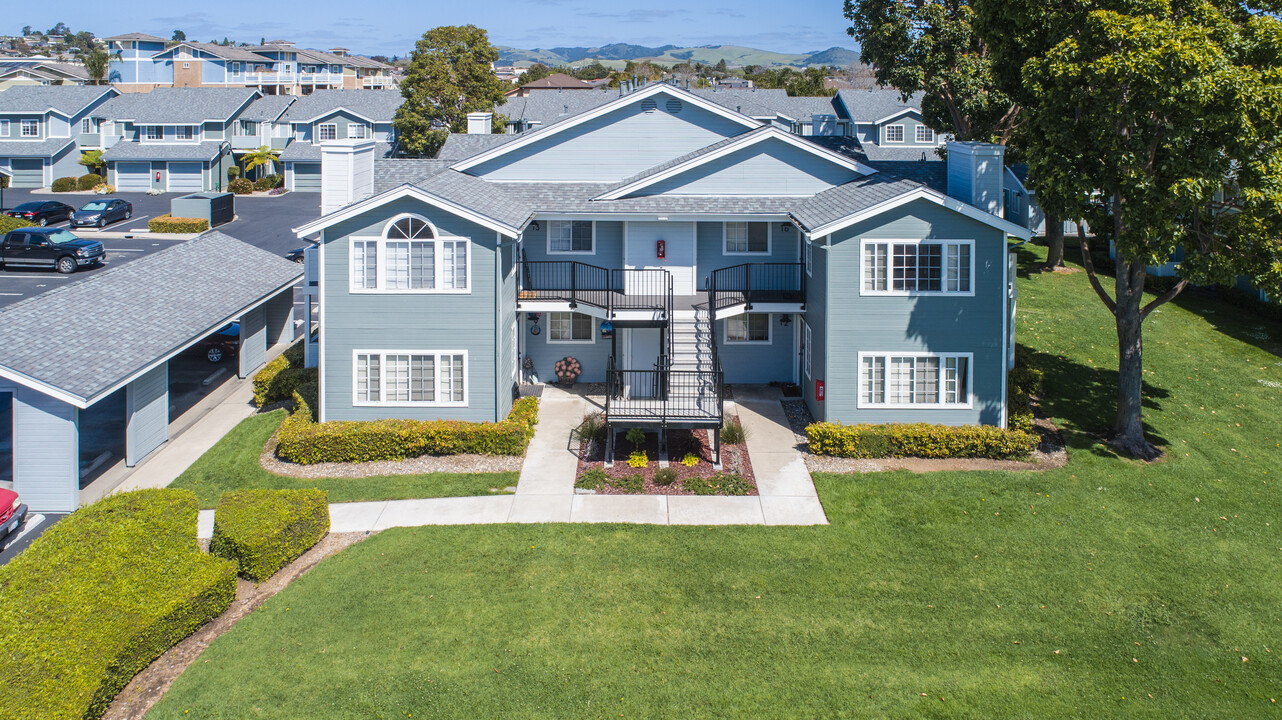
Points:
(171, 224)
(918, 440)
(309, 394)
(262, 531)
(690, 460)
(665, 476)
(64, 184)
(267, 182)
(722, 483)
(638, 459)
(233, 172)
(98, 597)
(1022, 382)
(279, 378)
(12, 223)
(629, 483)
(277, 191)
(635, 437)
(591, 427)
(594, 479)
(304, 441)
(240, 186)
(733, 433)
(105, 189)
(89, 181)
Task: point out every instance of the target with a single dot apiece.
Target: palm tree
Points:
(96, 63)
(263, 156)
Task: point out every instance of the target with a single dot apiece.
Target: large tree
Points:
(96, 62)
(450, 75)
(1161, 125)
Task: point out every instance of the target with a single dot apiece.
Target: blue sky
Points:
(391, 26)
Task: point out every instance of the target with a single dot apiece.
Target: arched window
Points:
(411, 256)
(410, 227)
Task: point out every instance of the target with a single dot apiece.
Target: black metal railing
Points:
(664, 396)
(756, 282)
(610, 290)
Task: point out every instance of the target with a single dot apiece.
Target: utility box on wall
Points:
(216, 207)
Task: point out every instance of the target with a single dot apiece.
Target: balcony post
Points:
(747, 287)
(574, 293)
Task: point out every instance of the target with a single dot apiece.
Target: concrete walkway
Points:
(545, 491)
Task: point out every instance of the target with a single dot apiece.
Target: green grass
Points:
(1078, 592)
(232, 464)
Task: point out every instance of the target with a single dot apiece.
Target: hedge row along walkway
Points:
(545, 491)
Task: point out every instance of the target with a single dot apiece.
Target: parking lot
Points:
(265, 222)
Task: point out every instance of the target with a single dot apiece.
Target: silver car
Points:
(99, 213)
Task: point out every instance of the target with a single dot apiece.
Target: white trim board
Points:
(397, 193)
(924, 193)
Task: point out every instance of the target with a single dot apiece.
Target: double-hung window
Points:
(805, 348)
(808, 250)
(357, 131)
(184, 132)
(247, 128)
(894, 133)
(30, 128)
(410, 257)
(327, 131)
(939, 380)
(747, 238)
(570, 236)
(565, 327)
(901, 268)
(748, 328)
(86, 125)
(410, 377)
(925, 134)
(153, 132)
(4, 128)
(235, 68)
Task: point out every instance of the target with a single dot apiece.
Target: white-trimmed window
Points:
(808, 252)
(357, 131)
(30, 128)
(410, 377)
(925, 134)
(569, 327)
(805, 348)
(894, 133)
(184, 132)
(917, 266)
(327, 131)
(916, 380)
(410, 257)
(246, 128)
(747, 238)
(748, 328)
(235, 68)
(153, 132)
(86, 125)
(4, 128)
(571, 236)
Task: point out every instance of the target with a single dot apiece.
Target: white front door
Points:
(643, 354)
(679, 245)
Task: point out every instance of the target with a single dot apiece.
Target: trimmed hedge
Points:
(307, 442)
(89, 181)
(98, 597)
(64, 184)
(279, 378)
(268, 182)
(1021, 383)
(12, 223)
(262, 531)
(171, 224)
(918, 440)
(240, 186)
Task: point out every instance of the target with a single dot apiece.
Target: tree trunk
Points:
(1128, 428)
(1054, 241)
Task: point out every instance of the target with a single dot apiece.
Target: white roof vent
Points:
(674, 106)
(649, 105)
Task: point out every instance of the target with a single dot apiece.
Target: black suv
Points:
(49, 247)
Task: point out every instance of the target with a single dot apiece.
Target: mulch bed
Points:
(734, 459)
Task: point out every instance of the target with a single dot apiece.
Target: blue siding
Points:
(940, 324)
(46, 451)
(911, 122)
(506, 328)
(769, 168)
(758, 363)
(407, 321)
(711, 240)
(608, 250)
(816, 316)
(592, 356)
(614, 146)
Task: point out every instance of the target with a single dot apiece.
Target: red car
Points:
(222, 344)
(12, 513)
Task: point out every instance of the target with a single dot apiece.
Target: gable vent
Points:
(648, 106)
(674, 106)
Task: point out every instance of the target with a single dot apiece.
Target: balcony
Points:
(377, 82)
(246, 142)
(750, 284)
(638, 293)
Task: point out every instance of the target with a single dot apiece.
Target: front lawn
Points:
(232, 464)
(1107, 588)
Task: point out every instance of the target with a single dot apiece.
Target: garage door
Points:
(27, 172)
(185, 177)
(135, 177)
(307, 177)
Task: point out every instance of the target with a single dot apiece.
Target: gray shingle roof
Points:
(549, 107)
(141, 311)
(267, 108)
(28, 149)
(902, 162)
(866, 106)
(159, 151)
(176, 106)
(65, 99)
(459, 146)
(46, 69)
(756, 102)
(228, 52)
(307, 152)
(135, 36)
(390, 174)
(377, 105)
(845, 200)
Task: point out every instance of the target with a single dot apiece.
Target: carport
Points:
(64, 352)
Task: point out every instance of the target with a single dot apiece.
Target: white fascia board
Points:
(397, 193)
(953, 204)
(532, 136)
(749, 140)
(43, 387)
(327, 113)
(896, 114)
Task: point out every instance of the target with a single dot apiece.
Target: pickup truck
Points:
(12, 513)
(49, 247)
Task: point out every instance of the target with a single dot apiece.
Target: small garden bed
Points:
(689, 469)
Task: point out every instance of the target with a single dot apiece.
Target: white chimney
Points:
(480, 123)
(347, 173)
(975, 172)
(823, 125)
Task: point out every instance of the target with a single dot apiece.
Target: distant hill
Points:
(616, 54)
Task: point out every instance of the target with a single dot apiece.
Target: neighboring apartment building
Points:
(672, 245)
(146, 62)
(330, 115)
(26, 71)
(556, 82)
(44, 128)
(171, 139)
